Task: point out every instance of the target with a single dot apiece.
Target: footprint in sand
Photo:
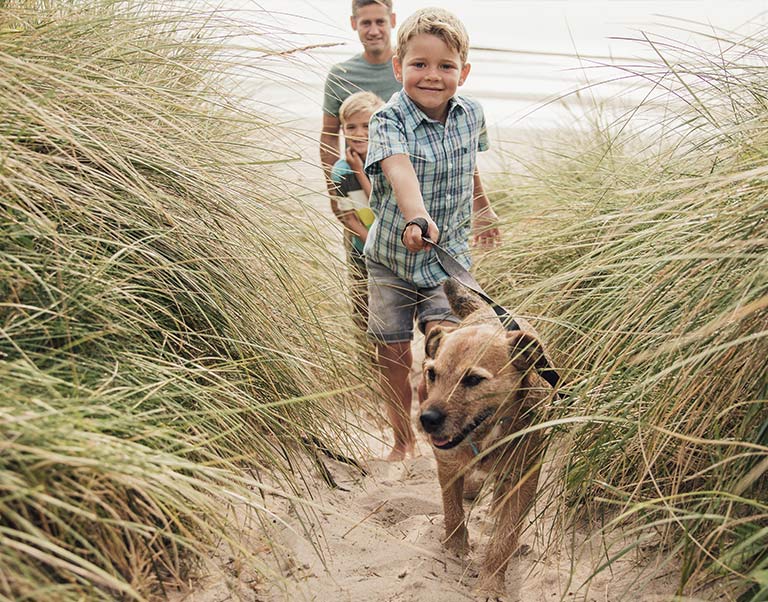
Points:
(389, 510)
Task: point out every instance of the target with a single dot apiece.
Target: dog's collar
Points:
(473, 446)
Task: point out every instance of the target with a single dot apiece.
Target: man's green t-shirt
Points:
(354, 75)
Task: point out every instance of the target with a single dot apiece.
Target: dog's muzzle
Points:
(432, 420)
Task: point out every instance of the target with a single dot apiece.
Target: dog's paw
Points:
(491, 589)
(523, 550)
(458, 543)
(480, 596)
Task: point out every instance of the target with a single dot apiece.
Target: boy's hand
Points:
(412, 235)
(354, 159)
(485, 229)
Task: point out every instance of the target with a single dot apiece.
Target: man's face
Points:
(373, 24)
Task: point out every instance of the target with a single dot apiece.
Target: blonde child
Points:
(421, 160)
(352, 189)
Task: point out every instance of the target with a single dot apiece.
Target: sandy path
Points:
(379, 540)
(379, 536)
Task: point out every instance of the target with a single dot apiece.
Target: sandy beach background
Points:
(537, 66)
(379, 536)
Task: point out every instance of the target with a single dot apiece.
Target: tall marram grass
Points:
(162, 316)
(643, 252)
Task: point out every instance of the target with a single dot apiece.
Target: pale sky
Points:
(544, 39)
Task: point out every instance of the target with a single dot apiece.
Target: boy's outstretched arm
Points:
(399, 171)
(485, 222)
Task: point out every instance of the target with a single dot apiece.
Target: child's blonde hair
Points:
(437, 22)
(357, 103)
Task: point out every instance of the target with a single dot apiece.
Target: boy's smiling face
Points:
(356, 132)
(430, 72)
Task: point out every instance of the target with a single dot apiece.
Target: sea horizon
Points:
(535, 65)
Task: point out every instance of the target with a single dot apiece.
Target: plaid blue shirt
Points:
(444, 158)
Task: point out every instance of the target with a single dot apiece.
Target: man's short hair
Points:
(357, 103)
(437, 22)
(358, 4)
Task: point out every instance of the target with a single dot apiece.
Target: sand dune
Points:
(379, 540)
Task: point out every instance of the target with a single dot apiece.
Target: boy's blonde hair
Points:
(358, 4)
(437, 22)
(357, 103)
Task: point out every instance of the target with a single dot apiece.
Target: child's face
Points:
(356, 132)
(430, 72)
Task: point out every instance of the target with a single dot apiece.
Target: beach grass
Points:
(165, 321)
(171, 335)
(639, 248)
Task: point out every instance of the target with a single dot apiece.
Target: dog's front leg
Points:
(511, 500)
(452, 486)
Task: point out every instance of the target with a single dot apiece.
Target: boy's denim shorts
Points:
(393, 303)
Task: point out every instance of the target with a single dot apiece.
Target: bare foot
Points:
(396, 455)
(399, 453)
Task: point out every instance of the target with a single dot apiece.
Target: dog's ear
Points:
(526, 351)
(463, 301)
(432, 341)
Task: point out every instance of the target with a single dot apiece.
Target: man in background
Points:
(371, 71)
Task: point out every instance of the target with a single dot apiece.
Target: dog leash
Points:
(459, 273)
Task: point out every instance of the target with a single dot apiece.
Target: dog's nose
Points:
(432, 419)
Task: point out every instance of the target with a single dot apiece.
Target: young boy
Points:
(352, 189)
(422, 153)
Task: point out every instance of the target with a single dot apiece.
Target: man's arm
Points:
(399, 171)
(485, 221)
(329, 154)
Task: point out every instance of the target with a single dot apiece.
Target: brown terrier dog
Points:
(481, 388)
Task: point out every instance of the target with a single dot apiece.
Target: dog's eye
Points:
(431, 374)
(472, 380)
